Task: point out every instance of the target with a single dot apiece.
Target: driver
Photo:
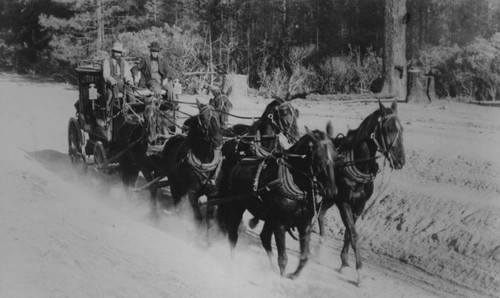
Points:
(116, 72)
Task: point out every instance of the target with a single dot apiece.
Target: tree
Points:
(91, 29)
(394, 65)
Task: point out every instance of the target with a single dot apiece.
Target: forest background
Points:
(333, 46)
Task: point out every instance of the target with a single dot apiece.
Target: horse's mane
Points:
(272, 105)
(192, 121)
(222, 104)
(270, 108)
(306, 138)
(355, 136)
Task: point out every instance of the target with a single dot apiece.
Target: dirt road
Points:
(431, 229)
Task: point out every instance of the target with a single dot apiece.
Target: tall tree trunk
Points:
(394, 66)
(100, 26)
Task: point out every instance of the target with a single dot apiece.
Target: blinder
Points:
(381, 133)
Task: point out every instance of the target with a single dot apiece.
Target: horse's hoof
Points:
(359, 282)
(292, 276)
(344, 270)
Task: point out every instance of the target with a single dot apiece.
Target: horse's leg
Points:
(233, 220)
(360, 205)
(152, 191)
(327, 204)
(193, 199)
(279, 237)
(176, 192)
(265, 238)
(129, 176)
(305, 237)
(344, 255)
(349, 222)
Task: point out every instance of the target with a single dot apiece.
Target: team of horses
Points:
(269, 169)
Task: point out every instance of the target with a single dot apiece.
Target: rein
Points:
(285, 182)
(280, 126)
(349, 163)
(383, 147)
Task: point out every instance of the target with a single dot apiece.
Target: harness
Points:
(284, 184)
(353, 172)
(383, 147)
(205, 171)
(281, 126)
(350, 169)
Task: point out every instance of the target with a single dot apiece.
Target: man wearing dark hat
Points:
(153, 68)
(116, 72)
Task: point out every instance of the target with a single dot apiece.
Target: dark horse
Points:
(381, 132)
(153, 165)
(260, 138)
(140, 127)
(191, 161)
(283, 190)
(221, 103)
(279, 117)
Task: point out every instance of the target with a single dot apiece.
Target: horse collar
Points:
(204, 167)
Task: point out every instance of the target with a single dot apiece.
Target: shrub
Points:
(279, 82)
(8, 55)
(368, 68)
(181, 50)
(470, 71)
(337, 74)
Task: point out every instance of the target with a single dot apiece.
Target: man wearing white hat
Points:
(116, 72)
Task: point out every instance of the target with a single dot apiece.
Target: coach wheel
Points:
(75, 144)
(100, 157)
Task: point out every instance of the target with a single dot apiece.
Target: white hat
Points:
(117, 47)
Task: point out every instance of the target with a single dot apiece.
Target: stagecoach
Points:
(93, 133)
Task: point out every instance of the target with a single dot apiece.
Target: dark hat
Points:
(154, 46)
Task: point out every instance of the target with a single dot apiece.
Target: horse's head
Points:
(320, 154)
(222, 104)
(150, 115)
(282, 116)
(388, 135)
(205, 126)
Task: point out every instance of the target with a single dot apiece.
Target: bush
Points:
(8, 55)
(338, 75)
(273, 84)
(278, 82)
(439, 61)
(470, 71)
(181, 50)
(368, 68)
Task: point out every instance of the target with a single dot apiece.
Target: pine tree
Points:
(93, 27)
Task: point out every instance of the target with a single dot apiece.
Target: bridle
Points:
(281, 126)
(223, 108)
(205, 130)
(380, 132)
(329, 164)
